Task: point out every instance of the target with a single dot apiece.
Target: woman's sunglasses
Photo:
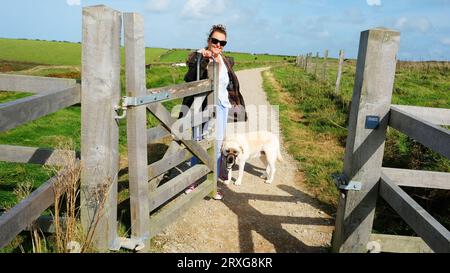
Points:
(214, 41)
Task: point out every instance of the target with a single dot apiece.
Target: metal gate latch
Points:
(342, 183)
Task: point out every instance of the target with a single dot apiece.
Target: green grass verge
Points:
(307, 131)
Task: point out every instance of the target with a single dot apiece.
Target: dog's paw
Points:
(268, 181)
(263, 176)
(238, 183)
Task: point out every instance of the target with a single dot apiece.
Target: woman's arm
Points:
(191, 75)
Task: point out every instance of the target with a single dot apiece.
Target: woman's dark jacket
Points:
(234, 94)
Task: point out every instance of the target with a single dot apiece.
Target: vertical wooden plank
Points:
(137, 127)
(339, 73)
(99, 130)
(325, 64)
(364, 150)
(213, 69)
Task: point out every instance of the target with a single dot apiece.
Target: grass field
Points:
(53, 53)
(66, 53)
(314, 121)
(179, 55)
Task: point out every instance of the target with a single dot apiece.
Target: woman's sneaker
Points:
(218, 196)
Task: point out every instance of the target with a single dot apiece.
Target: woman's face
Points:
(216, 49)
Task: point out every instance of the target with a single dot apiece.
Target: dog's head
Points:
(231, 149)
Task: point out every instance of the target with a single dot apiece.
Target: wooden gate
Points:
(147, 194)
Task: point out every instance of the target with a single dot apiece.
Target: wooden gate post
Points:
(99, 129)
(137, 127)
(375, 73)
(213, 99)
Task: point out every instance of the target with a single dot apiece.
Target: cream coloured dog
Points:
(239, 148)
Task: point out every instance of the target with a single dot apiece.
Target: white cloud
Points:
(202, 9)
(446, 41)
(420, 24)
(157, 5)
(73, 2)
(373, 2)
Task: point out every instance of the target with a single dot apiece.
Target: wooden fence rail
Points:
(438, 116)
(23, 214)
(33, 155)
(418, 179)
(33, 84)
(15, 113)
(430, 135)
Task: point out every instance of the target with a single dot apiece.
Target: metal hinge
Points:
(127, 102)
(138, 101)
(343, 183)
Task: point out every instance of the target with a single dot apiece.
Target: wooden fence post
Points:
(99, 129)
(375, 72)
(339, 73)
(137, 127)
(305, 60)
(316, 64)
(325, 59)
(308, 61)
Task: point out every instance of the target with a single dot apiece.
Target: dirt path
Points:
(254, 217)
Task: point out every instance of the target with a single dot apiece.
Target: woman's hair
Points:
(217, 28)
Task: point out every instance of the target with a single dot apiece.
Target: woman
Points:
(229, 96)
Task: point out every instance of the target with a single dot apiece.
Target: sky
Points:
(286, 27)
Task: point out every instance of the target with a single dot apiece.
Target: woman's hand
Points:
(207, 53)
